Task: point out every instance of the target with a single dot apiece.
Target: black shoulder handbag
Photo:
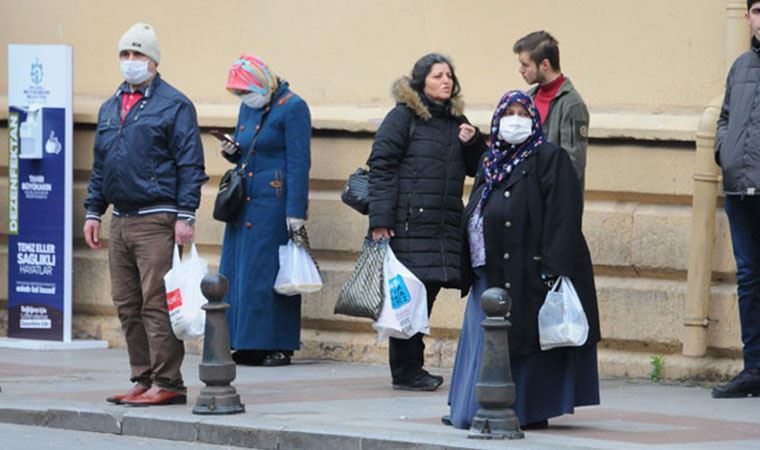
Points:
(229, 199)
(356, 191)
(230, 196)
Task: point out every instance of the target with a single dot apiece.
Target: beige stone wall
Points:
(646, 69)
(648, 56)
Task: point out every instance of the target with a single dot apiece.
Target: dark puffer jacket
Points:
(416, 182)
(737, 139)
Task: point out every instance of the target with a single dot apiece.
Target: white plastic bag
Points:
(561, 320)
(183, 294)
(298, 274)
(404, 311)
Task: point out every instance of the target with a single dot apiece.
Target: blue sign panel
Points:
(36, 269)
(40, 178)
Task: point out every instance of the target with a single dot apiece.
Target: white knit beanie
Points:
(141, 38)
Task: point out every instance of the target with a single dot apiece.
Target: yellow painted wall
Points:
(647, 55)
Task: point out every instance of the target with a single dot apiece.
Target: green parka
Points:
(567, 125)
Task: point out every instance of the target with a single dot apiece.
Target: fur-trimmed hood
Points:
(404, 93)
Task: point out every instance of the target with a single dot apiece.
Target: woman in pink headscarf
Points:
(272, 140)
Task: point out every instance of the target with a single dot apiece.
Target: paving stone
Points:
(298, 440)
(72, 419)
(177, 430)
(21, 416)
(246, 437)
(394, 444)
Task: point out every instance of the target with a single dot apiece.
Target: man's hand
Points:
(183, 232)
(466, 132)
(294, 223)
(92, 233)
(382, 233)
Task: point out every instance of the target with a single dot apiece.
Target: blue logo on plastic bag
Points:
(399, 293)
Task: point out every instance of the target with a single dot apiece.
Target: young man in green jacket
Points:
(563, 113)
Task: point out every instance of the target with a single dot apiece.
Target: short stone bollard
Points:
(216, 369)
(495, 390)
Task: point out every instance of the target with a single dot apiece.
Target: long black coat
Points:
(416, 183)
(532, 225)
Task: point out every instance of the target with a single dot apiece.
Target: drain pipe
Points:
(704, 202)
(704, 198)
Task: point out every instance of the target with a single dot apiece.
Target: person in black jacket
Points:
(521, 231)
(737, 152)
(421, 154)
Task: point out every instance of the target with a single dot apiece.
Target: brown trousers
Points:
(139, 255)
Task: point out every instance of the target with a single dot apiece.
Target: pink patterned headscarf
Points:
(250, 73)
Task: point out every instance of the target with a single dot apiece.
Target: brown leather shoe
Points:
(137, 390)
(157, 396)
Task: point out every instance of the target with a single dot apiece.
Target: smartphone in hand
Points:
(224, 137)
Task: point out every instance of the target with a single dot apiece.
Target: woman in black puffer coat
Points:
(421, 154)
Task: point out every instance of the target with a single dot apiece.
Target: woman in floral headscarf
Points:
(272, 139)
(522, 230)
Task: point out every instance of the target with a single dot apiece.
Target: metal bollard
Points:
(495, 390)
(216, 369)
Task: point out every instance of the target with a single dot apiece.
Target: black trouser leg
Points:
(407, 356)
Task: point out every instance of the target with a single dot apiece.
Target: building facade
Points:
(646, 70)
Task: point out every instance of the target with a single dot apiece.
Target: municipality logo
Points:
(37, 72)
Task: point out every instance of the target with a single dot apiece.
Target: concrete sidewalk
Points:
(330, 405)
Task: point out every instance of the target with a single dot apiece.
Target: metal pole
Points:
(495, 390)
(217, 369)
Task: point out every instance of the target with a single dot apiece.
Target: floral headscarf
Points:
(503, 157)
(250, 73)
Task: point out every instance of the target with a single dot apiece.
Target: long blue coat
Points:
(277, 186)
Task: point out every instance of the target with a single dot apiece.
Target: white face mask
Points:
(135, 71)
(515, 129)
(254, 100)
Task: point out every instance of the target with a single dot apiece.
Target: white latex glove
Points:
(294, 223)
(229, 148)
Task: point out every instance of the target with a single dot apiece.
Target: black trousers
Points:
(407, 356)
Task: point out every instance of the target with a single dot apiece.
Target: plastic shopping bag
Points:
(404, 311)
(183, 294)
(561, 320)
(298, 274)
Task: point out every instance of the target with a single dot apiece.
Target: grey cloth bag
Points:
(362, 295)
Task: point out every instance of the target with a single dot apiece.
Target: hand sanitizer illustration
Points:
(53, 145)
(30, 134)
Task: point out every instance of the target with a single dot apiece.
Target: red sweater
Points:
(544, 96)
(128, 100)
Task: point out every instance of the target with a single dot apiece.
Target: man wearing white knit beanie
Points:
(148, 164)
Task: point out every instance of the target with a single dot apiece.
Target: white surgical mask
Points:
(135, 71)
(255, 100)
(515, 129)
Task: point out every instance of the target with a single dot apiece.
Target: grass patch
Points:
(658, 363)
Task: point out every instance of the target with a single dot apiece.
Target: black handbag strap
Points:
(260, 127)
